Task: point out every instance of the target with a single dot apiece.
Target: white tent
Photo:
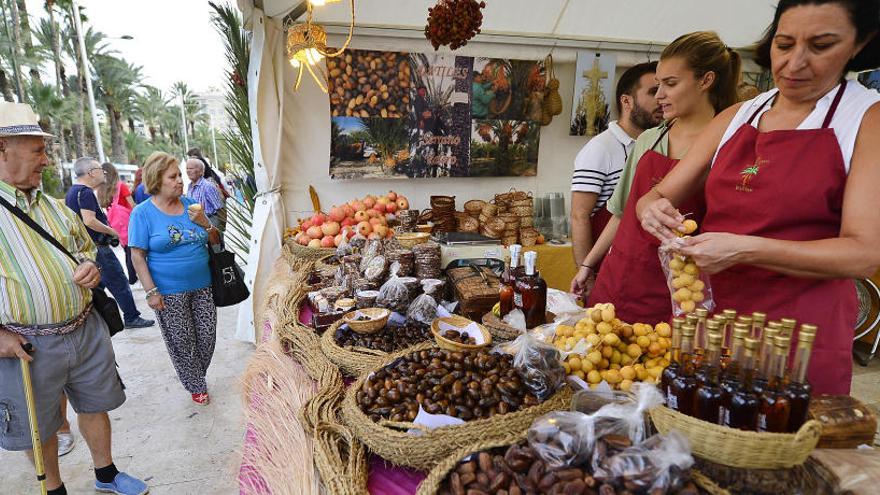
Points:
(291, 130)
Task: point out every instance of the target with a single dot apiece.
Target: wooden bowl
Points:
(460, 322)
(410, 239)
(378, 319)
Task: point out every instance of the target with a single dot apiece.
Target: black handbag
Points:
(227, 278)
(104, 304)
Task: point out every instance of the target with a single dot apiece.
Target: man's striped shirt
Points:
(36, 279)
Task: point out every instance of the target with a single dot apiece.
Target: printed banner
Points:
(408, 115)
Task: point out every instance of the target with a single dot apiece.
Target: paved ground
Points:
(159, 434)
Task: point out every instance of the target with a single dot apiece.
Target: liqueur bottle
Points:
(694, 321)
(740, 410)
(531, 292)
(798, 389)
(729, 316)
(508, 280)
(684, 385)
(708, 399)
(671, 371)
(700, 341)
(758, 321)
(765, 355)
(775, 408)
(730, 366)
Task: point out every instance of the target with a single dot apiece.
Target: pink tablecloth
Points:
(385, 478)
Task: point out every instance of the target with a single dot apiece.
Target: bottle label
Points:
(671, 400)
(723, 416)
(762, 422)
(517, 300)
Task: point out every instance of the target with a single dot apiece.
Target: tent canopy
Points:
(645, 21)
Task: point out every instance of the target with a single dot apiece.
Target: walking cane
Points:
(32, 417)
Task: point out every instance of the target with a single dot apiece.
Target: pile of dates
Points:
(518, 470)
(390, 339)
(464, 384)
(460, 337)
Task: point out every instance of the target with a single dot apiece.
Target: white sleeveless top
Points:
(847, 120)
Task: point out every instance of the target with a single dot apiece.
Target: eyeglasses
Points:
(97, 168)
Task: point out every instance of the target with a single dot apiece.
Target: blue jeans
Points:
(113, 278)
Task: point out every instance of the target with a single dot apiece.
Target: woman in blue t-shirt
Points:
(169, 235)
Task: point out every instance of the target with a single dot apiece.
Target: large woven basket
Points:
(431, 484)
(305, 252)
(739, 448)
(392, 442)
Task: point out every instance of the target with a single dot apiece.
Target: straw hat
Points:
(19, 119)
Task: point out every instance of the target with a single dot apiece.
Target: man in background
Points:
(81, 199)
(206, 193)
(598, 164)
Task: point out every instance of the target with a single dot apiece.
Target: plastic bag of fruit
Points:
(633, 415)
(422, 310)
(657, 465)
(371, 249)
(689, 286)
(538, 364)
(394, 294)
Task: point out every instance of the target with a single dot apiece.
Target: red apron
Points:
(598, 221)
(631, 277)
(786, 184)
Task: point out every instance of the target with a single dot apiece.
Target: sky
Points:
(174, 40)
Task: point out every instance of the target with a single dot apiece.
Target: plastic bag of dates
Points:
(658, 465)
(538, 363)
(422, 310)
(394, 295)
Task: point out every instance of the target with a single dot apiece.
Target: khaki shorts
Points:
(81, 364)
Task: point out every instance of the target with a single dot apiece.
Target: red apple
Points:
(315, 243)
(380, 207)
(402, 203)
(327, 241)
(364, 228)
(392, 196)
(319, 218)
(391, 207)
(337, 214)
(351, 233)
(330, 228)
(377, 221)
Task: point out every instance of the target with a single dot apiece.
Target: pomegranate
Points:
(392, 196)
(314, 232)
(330, 228)
(327, 241)
(369, 201)
(364, 228)
(319, 218)
(361, 216)
(337, 214)
(380, 207)
(315, 243)
(402, 203)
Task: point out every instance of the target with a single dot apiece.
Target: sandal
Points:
(201, 399)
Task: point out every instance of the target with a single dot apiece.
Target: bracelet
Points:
(589, 268)
(152, 292)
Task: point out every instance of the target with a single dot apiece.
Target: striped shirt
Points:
(598, 164)
(206, 193)
(36, 279)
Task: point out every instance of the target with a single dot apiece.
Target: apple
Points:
(305, 225)
(327, 241)
(392, 196)
(318, 219)
(402, 203)
(330, 228)
(391, 207)
(364, 228)
(337, 214)
(381, 230)
(315, 243)
(380, 207)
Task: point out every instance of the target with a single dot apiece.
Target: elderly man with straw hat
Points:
(45, 300)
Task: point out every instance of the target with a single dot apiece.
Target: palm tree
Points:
(116, 81)
(191, 104)
(151, 105)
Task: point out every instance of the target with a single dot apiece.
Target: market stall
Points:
(404, 359)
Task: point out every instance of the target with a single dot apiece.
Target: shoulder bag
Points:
(227, 278)
(104, 304)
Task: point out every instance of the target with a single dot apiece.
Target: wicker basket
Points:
(738, 448)
(378, 317)
(526, 222)
(450, 345)
(474, 206)
(489, 210)
(410, 239)
(392, 442)
(305, 252)
(468, 224)
(509, 240)
(432, 482)
(522, 211)
(352, 361)
(528, 236)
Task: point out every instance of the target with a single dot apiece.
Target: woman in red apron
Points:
(787, 228)
(693, 73)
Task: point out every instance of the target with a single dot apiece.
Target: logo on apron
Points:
(748, 174)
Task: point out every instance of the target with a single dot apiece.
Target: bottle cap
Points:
(741, 331)
(807, 333)
(730, 314)
(677, 322)
(691, 319)
(788, 323)
(759, 317)
(744, 319)
(714, 339)
(750, 343)
(702, 313)
(775, 325)
(713, 325)
(688, 330)
(781, 341)
(808, 328)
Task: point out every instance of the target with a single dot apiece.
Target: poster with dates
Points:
(398, 115)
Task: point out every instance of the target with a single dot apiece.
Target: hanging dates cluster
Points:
(453, 22)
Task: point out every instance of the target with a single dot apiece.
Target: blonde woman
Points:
(169, 236)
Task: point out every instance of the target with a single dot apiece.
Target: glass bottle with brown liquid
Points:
(670, 371)
(684, 384)
(708, 399)
(798, 390)
(775, 408)
(764, 359)
(742, 410)
(700, 340)
(508, 280)
(531, 289)
(694, 321)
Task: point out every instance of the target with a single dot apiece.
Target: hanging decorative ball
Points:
(453, 22)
